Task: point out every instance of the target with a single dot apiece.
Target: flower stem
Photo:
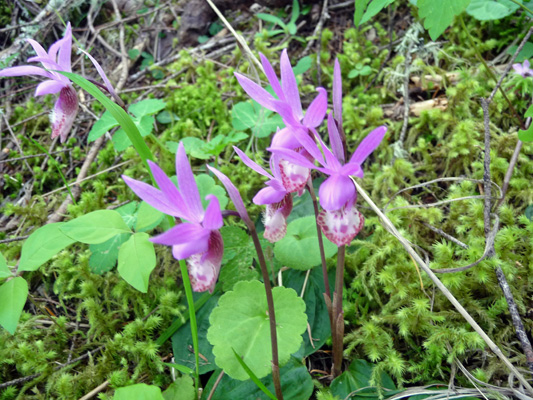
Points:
(271, 313)
(192, 318)
(338, 315)
(320, 241)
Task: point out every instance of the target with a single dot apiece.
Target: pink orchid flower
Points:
(58, 58)
(288, 104)
(523, 69)
(340, 221)
(197, 240)
(276, 196)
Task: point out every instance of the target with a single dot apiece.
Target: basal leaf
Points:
(296, 384)
(136, 260)
(95, 227)
(13, 295)
(182, 340)
(360, 7)
(315, 306)
(299, 248)
(438, 15)
(240, 323)
(357, 378)
(42, 245)
(140, 391)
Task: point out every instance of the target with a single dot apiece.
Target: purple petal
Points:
(268, 195)
(285, 138)
(519, 70)
(526, 64)
(286, 112)
(234, 194)
(288, 83)
(39, 50)
(368, 145)
(152, 196)
(292, 156)
(64, 113)
(352, 169)
(272, 77)
(187, 184)
(251, 164)
(48, 87)
(309, 144)
(337, 92)
(335, 139)
(213, 216)
(102, 74)
(65, 50)
(255, 91)
(335, 192)
(204, 268)
(170, 191)
(183, 233)
(186, 250)
(26, 70)
(317, 109)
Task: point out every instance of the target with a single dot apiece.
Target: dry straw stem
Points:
(388, 225)
(239, 38)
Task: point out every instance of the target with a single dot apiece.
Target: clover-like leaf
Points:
(95, 227)
(299, 248)
(13, 295)
(438, 15)
(241, 322)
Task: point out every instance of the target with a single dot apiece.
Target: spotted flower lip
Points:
(523, 69)
(288, 104)
(197, 239)
(58, 58)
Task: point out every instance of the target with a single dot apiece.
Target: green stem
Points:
(338, 316)
(320, 240)
(58, 169)
(271, 313)
(194, 326)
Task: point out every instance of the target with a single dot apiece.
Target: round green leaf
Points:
(243, 116)
(42, 245)
(207, 185)
(181, 389)
(141, 391)
(299, 248)
(136, 260)
(95, 227)
(241, 322)
(13, 294)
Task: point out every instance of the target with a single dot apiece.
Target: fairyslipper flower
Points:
(288, 104)
(276, 196)
(523, 69)
(198, 239)
(58, 58)
(340, 221)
